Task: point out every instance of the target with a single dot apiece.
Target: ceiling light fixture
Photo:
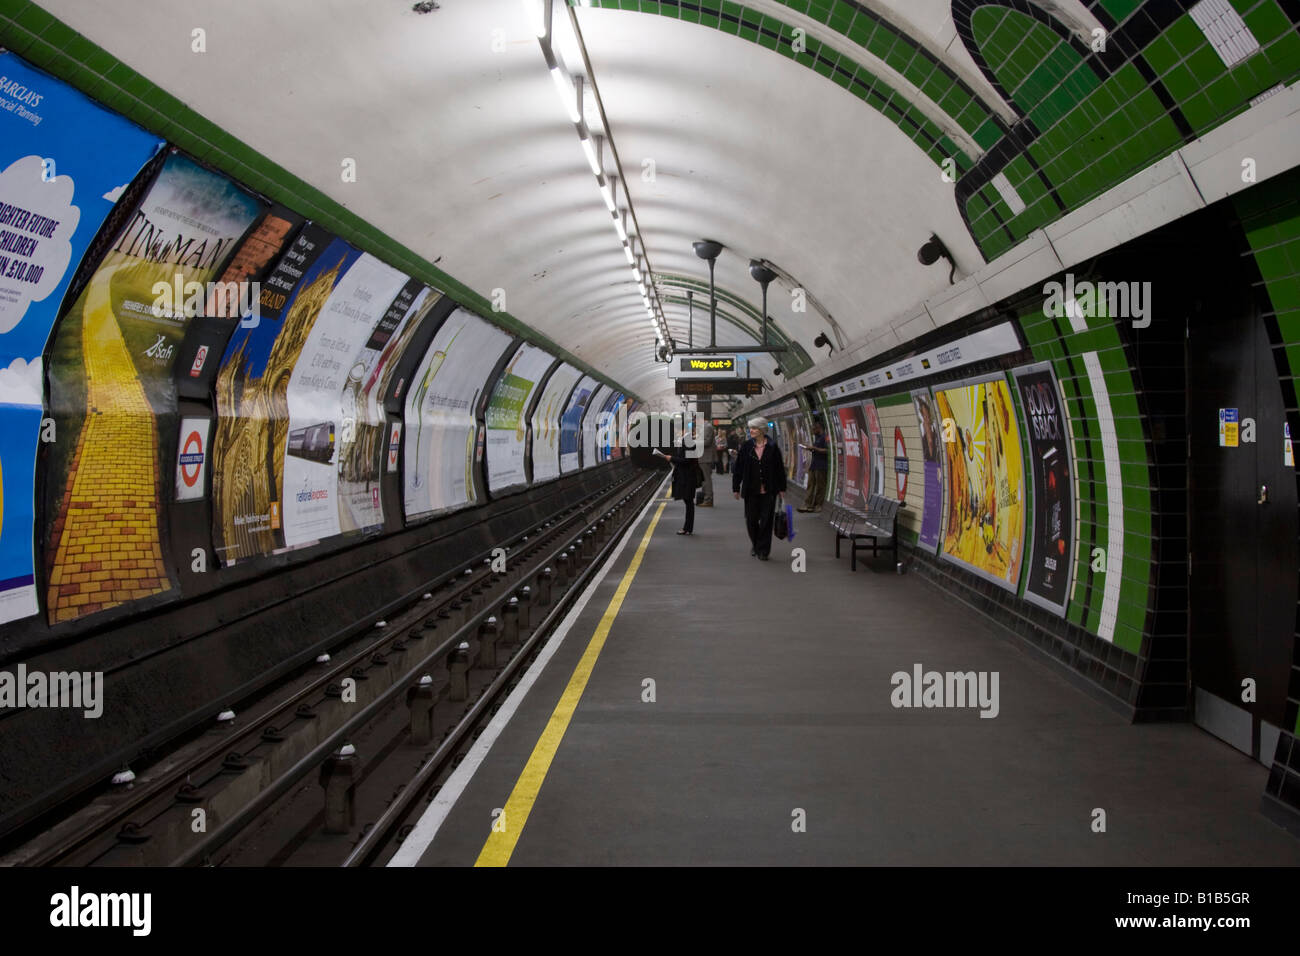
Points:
(569, 87)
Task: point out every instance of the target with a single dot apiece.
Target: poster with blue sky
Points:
(64, 161)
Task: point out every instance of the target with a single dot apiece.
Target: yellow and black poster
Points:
(984, 508)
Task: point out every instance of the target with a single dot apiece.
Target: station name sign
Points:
(720, 386)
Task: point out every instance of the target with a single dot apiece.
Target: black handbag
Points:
(780, 526)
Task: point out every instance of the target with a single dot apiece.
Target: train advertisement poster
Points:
(507, 432)
(546, 422)
(1051, 552)
(63, 164)
(326, 409)
(590, 425)
(441, 430)
(928, 420)
(252, 407)
(856, 477)
(571, 424)
(111, 380)
(984, 516)
(875, 483)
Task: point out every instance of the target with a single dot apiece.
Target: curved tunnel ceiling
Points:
(464, 154)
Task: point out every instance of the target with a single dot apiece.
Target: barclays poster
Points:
(64, 162)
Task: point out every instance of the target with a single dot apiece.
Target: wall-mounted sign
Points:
(985, 344)
(1228, 425)
(704, 366)
(720, 386)
(191, 459)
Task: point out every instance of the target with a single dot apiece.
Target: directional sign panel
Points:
(703, 366)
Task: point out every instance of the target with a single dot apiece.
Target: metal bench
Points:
(877, 525)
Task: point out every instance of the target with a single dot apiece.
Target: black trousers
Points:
(759, 512)
(816, 490)
(690, 513)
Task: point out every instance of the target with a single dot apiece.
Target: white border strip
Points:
(1114, 497)
(419, 840)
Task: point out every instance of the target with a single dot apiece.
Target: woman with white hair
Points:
(759, 478)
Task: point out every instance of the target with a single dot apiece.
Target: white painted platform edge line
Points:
(419, 840)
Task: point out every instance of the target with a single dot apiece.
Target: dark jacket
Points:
(686, 475)
(749, 472)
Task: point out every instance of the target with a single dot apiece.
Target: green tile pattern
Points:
(1095, 133)
(1053, 339)
(32, 33)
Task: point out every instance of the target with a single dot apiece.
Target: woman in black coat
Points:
(685, 481)
(759, 477)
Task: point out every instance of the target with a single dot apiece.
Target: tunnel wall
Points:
(218, 386)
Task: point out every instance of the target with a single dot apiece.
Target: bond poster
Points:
(1051, 552)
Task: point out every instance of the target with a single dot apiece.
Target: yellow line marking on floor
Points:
(501, 843)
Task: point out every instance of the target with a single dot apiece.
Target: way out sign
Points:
(191, 459)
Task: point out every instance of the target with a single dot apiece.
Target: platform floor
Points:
(773, 697)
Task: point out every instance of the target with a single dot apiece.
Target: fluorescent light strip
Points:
(564, 86)
(607, 194)
(619, 228)
(589, 150)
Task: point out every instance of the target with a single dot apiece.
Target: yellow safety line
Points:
(510, 824)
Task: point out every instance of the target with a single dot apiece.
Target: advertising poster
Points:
(931, 426)
(63, 163)
(1051, 553)
(111, 377)
(984, 519)
(590, 425)
(856, 476)
(802, 456)
(233, 298)
(617, 437)
(360, 461)
(875, 453)
(607, 428)
(252, 402)
(507, 432)
(441, 431)
(546, 422)
(837, 431)
(326, 409)
(571, 424)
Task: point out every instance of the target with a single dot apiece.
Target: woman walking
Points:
(685, 481)
(759, 477)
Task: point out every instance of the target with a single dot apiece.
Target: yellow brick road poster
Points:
(111, 382)
(984, 513)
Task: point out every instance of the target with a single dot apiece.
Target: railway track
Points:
(327, 767)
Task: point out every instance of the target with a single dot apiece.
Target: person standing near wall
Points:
(759, 478)
(816, 470)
